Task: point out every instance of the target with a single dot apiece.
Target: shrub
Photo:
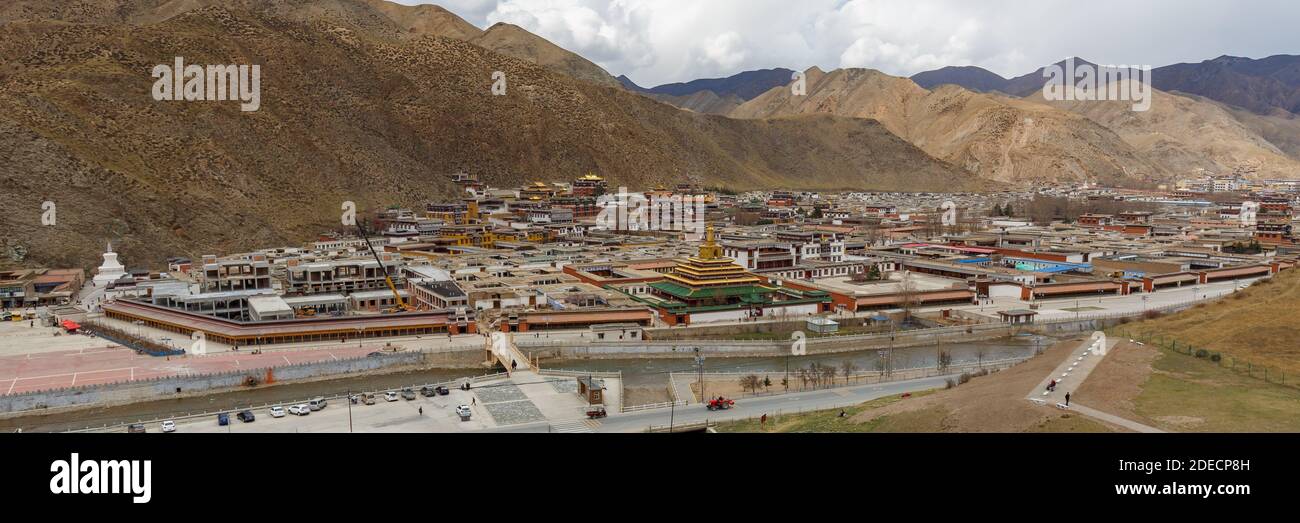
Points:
(965, 377)
(1215, 357)
(1151, 315)
(950, 384)
(1202, 353)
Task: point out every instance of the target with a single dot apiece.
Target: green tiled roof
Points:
(747, 292)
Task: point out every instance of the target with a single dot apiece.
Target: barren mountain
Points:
(1186, 134)
(374, 17)
(974, 78)
(512, 40)
(745, 85)
(996, 137)
(1280, 128)
(375, 116)
(1261, 85)
(707, 102)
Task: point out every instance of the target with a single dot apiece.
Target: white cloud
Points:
(660, 41)
(727, 50)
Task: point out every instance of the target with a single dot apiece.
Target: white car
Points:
(169, 426)
(277, 412)
(300, 409)
(463, 411)
(390, 396)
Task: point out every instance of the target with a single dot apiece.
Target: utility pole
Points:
(699, 364)
(672, 413)
(349, 400)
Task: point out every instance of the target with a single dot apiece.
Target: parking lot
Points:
(525, 398)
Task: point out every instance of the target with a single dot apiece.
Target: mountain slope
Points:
(745, 85)
(377, 18)
(706, 102)
(1257, 85)
(392, 118)
(1186, 134)
(996, 137)
(973, 78)
(512, 40)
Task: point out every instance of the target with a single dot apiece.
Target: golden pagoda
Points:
(711, 283)
(711, 268)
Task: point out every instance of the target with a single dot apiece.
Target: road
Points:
(436, 414)
(749, 407)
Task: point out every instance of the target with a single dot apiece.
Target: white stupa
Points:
(110, 270)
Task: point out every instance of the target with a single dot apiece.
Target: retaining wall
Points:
(175, 386)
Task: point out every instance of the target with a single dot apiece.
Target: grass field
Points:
(1259, 325)
(989, 403)
(1189, 394)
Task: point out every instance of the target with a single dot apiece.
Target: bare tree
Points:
(907, 294)
(945, 360)
(848, 367)
(750, 383)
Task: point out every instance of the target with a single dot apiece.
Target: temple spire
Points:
(710, 249)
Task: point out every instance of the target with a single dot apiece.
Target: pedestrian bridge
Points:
(501, 349)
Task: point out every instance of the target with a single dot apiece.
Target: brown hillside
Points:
(350, 114)
(512, 40)
(996, 137)
(1186, 134)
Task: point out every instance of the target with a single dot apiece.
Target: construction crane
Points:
(400, 304)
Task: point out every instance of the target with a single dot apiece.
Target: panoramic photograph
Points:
(981, 225)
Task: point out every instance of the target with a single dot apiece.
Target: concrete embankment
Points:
(686, 348)
(192, 385)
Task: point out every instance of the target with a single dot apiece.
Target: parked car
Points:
(464, 412)
(408, 394)
(223, 419)
(368, 398)
(390, 396)
(246, 416)
(277, 412)
(427, 391)
(169, 426)
(300, 409)
(441, 390)
(316, 403)
(135, 428)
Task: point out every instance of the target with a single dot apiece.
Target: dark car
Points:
(135, 428)
(246, 416)
(408, 394)
(427, 391)
(223, 419)
(442, 391)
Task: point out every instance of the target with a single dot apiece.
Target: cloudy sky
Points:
(661, 41)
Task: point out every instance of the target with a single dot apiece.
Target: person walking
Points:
(1067, 399)
(421, 411)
